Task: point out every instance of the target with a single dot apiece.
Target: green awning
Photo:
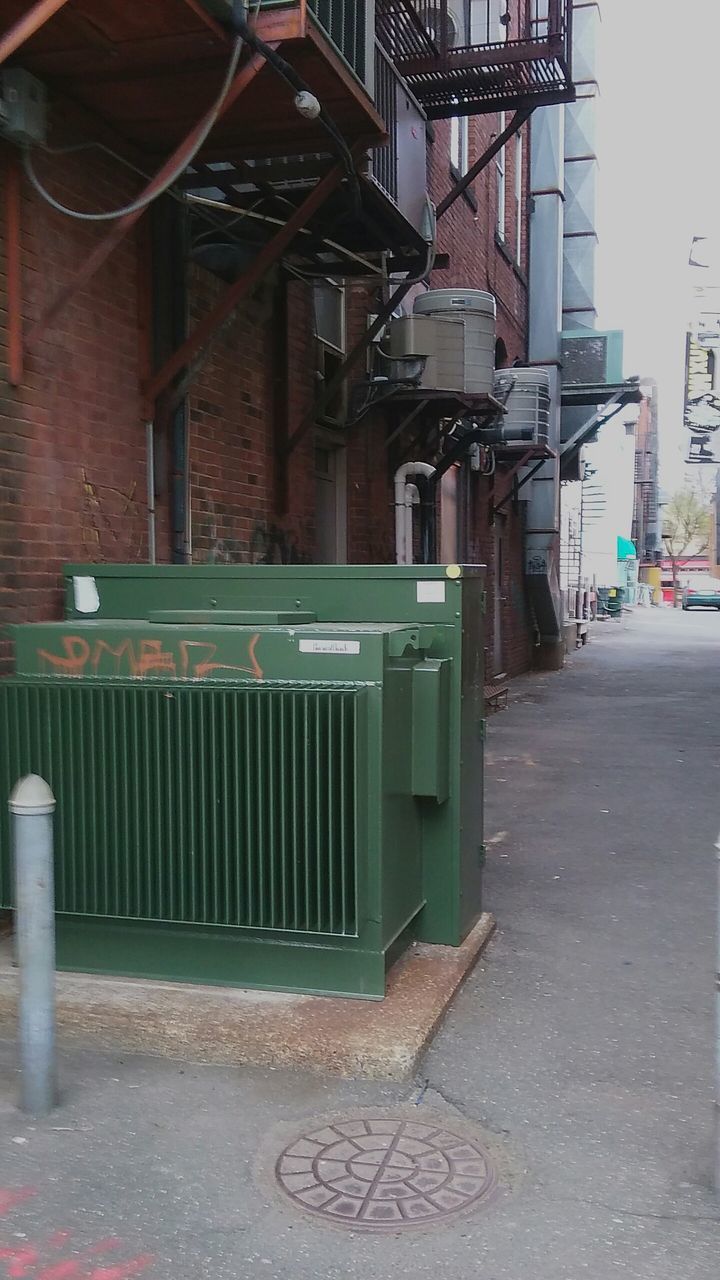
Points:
(626, 550)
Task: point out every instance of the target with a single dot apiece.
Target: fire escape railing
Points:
(467, 56)
(345, 22)
(405, 29)
(441, 29)
(385, 159)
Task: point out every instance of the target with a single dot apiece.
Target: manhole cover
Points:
(378, 1173)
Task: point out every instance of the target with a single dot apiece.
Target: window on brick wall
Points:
(459, 150)
(500, 167)
(330, 342)
(519, 198)
(329, 313)
(488, 21)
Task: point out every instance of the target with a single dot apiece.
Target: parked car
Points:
(702, 593)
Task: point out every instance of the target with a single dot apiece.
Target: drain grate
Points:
(385, 1172)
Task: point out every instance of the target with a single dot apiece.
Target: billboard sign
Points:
(702, 404)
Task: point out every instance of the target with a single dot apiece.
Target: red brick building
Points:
(90, 469)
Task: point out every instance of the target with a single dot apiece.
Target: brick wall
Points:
(230, 429)
(72, 442)
(480, 259)
(468, 231)
(72, 437)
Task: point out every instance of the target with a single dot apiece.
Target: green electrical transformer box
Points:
(265, 776)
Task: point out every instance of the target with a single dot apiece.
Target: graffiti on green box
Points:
(183, 659)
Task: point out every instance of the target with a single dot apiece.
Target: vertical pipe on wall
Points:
(542, 527)
(14, 269)
(281, 400)
(170, 235)
(150, 465)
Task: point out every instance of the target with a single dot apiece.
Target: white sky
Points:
(659, 183)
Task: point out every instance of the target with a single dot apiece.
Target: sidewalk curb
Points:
(353, 1038)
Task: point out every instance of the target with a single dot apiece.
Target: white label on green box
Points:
(338, 647)
(431, 592)
(85, 594)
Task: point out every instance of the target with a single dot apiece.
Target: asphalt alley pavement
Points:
(579, 1053)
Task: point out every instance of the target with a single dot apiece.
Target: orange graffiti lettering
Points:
(195, 659)
(154, 658)
(205, 667)
(74, 661)
(125, 648)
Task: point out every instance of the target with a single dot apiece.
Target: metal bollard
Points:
(32, 805)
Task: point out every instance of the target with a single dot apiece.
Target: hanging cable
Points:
(237, 22)
(143, 201)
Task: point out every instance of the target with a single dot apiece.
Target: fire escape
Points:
(475, 56)
(316, 143)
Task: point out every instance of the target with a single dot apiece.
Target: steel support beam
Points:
(625, 395)
(26, 26)
(273, 250)
(510, 476)
(516, 485)
(13, 262)
(120, 229)
(241, 169)
(517, 122)
(365, 342)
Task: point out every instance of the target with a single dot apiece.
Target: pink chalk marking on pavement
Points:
(124, 1269)
(9, 1199)
(24, 1260)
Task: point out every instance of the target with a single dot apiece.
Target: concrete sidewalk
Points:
(579, 1056)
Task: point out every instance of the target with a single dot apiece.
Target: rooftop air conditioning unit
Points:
(525, 393)
(591, 357)
(454, 330)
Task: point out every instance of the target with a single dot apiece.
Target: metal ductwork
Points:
(542, 536)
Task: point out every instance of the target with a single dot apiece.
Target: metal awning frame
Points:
(628, 392)
(539, 454)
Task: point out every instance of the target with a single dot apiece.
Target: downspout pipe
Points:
(150, 472)
(404, 505)
(542, 510)
(412, 499)
(428, 522)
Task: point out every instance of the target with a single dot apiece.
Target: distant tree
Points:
(686, 530)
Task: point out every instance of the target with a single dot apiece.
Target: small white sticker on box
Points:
(85, 594)
(431, 592)
(338, 647)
